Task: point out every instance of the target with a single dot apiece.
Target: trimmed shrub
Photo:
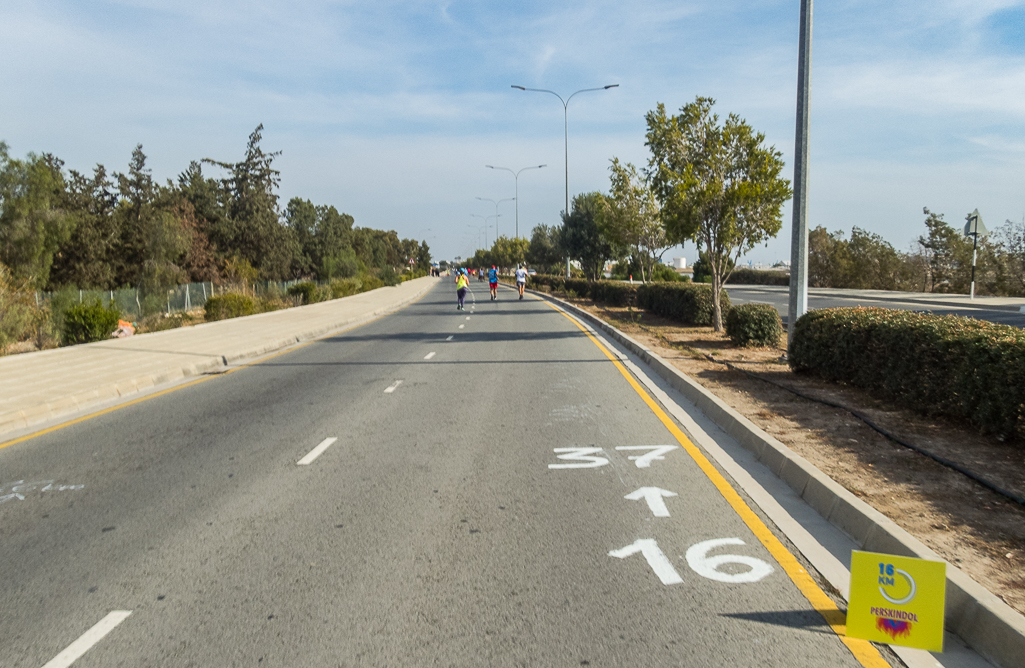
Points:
(938, 365)
(614, 293)
(689, 303)
(89, 322)
(307, 292)
(754, 325)
(229, 305)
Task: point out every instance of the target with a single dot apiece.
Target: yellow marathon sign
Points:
(897, 600)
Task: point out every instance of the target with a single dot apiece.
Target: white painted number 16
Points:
(698, 560)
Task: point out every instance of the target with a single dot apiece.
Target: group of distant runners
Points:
(463, 283)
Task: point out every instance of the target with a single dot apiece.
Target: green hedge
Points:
(689, 303)
(745, 276)
(230, 305)
(89, 322)
(939, 365)
(754, 325)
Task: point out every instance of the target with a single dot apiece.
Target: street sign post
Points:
(974, 228)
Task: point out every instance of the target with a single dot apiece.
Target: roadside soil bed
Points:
(977, 530)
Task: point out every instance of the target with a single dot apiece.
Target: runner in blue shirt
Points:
(493, 282)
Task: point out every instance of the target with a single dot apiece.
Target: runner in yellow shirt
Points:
(462, 285)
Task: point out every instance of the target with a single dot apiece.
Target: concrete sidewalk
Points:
(35, 387)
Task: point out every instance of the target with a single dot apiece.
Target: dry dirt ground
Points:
(970, 526)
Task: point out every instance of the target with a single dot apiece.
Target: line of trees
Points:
(61, 228)
(940, 260)
(716, 183)
(710, 181)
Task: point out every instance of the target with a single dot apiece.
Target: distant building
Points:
(679, 263)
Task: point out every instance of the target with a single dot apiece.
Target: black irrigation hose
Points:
(946, 462)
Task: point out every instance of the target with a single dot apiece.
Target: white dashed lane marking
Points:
(430, 355)
(94, 635)
(449, 338)
(316, 452)
(394, 386)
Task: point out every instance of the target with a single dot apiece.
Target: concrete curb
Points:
(986, 624)
(62, 406)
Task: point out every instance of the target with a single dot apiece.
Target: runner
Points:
(462, 285)
(493, 282)
(521, 279)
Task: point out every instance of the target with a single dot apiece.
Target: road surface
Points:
(1008, 313)
(439, 487)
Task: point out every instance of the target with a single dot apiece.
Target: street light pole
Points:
(565, 122)
(516, 177)
(496, 203)
(799, 240)
(485, 228)
(565, 125)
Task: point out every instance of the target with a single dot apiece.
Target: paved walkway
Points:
(35, 387)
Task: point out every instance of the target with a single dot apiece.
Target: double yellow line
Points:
(862, 650)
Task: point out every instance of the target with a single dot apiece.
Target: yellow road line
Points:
(862, 650)
(111, 409)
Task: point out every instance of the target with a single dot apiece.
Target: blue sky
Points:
(390, 110)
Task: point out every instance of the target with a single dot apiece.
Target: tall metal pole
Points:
(496, 203)
(516, 178)
(565, 123)
(799, 241)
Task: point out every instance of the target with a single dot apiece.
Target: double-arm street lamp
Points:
(485, 227)
(516, 177)
(565, 122)
(496, 203)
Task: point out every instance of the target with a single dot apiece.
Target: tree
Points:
(251, 228)
(151, 239)
(1011, 240)
(944, 249)
(545, 252)
(33, 224)
(829, 263)
(508, 252)
(717, 184)
(585, 238)
(423, 256)
(632, 217)
(86, 259)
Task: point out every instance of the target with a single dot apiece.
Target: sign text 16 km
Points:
(897, 600)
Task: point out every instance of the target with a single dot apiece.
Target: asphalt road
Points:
(477, 513)
(779, 296)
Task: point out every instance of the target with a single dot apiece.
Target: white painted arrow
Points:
(653, 495)
(9, 497)
(655, 557)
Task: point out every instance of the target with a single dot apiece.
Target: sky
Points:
(390, 110)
